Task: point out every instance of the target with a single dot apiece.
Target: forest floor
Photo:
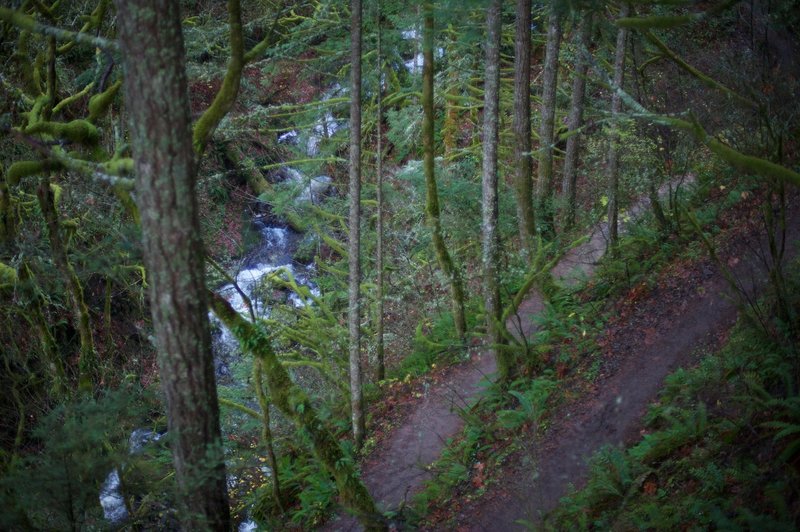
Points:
(655, 331)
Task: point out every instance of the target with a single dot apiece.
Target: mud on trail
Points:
(654, 336)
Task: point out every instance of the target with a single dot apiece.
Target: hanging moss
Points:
(21, 169)
(99, 103)
(78, 131)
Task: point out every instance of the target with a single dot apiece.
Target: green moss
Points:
(78, 131)
(21, 169)
(8, 275)
(99, 103)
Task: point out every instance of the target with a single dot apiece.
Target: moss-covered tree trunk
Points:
(490, 255)
(354, 243)
(431, 193)
(296, 405)
(522, 127)
(612, 161)
(87, 362)
(545, 177)
(158, 107)
(575, 121)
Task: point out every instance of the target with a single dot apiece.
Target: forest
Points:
(433, 264)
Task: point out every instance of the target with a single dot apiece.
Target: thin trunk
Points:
(297, 406)
(569, 183)
(87, 362)
(432, 196)
(53, 361)
(613, 150)
(156, 93)
(380, 372)
(266, 431)
(354, 248)
(547, 126)
(7, 217)
(490, 239)
(522, 127)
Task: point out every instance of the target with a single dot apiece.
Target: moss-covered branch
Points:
(671, 21)
(747, 163)
(26, 23)
(225, 98)
(296, 405)
(703, 78)
(93, 21)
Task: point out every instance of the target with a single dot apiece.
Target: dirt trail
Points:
(611, 413)
(609, 416)
(395, 472)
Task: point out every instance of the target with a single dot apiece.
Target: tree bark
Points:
(490, 239)
(354, 247)
(158, 107)
(612, 162)
(547, 126)
(575, 122)
(431, 194)
(522, 127)
(380, 371)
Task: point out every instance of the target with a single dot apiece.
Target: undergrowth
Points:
(721, 449)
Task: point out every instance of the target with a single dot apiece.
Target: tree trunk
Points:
(354, 248)
(266, 431)
(161, 139)
(569, 182)
(522, 127)
(490, 239)
(87, 361)
(7, 217)
(432, 196)
(380, 371)
(612, 167)
(547, 126)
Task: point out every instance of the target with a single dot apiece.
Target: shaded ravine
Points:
(395, 472)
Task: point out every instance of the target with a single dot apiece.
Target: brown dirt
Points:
(658, 333)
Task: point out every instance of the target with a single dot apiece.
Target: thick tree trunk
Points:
(490, 256)
(380, 371)
(522, 127)
(354, 248)
(432, 196)
(158, 107)
(575, 122)
(547, 126)
(296, 405)
(612, 162)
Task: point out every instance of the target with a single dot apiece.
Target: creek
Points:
(272, 254)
